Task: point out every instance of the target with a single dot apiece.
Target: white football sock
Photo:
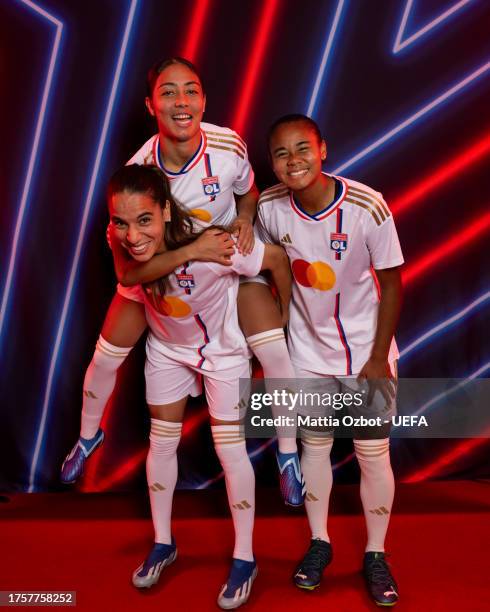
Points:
(317, 472)
(377, 489)
(161, 473)
(229, 443)
(99, 383)
(271, 350)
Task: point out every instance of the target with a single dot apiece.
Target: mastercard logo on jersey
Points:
(201, 214)
(169, 305)
(210, 185)
(318, 275)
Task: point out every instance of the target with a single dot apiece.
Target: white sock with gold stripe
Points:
(99, 383)
(271, 350)
(377, 489)
(229, 443)
(161, 473)
(317, 472)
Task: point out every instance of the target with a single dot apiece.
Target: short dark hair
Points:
(294, 118)
(159, 67)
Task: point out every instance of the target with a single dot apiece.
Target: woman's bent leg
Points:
(123, 326)
(260, 321)
(124, 323)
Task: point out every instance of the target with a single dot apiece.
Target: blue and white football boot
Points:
(73, 465)
(148, 573)
(238, 587)
(291, 481)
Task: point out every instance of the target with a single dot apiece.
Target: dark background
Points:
(273, 50)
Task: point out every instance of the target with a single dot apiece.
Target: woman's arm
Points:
(377, 367)
(277, 262)
(212, 245)
(247, 208)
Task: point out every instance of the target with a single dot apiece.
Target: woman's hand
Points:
(377, 374)
(213, 245)
(244, 229)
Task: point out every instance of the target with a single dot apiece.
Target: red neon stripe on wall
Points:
(453, 455)
(134, 463)
(444, 173)
(461, 238)
(196, 28)
(122, 472)
(92, 466)
(258, 49)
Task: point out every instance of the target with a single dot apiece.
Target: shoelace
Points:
(378, 571)
(317, 557)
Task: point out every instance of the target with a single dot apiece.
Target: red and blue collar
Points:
(191, 163)
(340, 193)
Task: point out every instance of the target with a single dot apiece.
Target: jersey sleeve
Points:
(261, 229)
(134, 293)
(249, 265)
(244, 265)
(245, 176)
(382, 241)
(144, 155)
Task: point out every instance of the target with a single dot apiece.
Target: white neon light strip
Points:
(81, 237)
(402, 44)
(326, 54)
(461, 314)
(473, 76)
(481, 370)
(7, 289)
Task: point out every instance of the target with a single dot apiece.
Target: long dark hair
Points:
(178, 232)
(151, 181)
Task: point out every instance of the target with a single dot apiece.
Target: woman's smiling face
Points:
(296, 155)
(177, 102)
(139, 224)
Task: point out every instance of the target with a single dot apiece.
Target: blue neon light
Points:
(81, 238)
(412, 119)
(320, 77)
(401, 43)
(454, 319)
(33, 157)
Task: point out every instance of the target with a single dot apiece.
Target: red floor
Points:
(439, 542)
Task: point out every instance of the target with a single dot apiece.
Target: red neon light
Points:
(134, 462)
(122, 472)
(465, 447)
(92, 466)
(193, 422)
(258, 49)
(447, 248)
(443, 174)
(196, 28)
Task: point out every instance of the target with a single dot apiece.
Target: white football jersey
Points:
(334, 308)
(206, 184)
(196, 323)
